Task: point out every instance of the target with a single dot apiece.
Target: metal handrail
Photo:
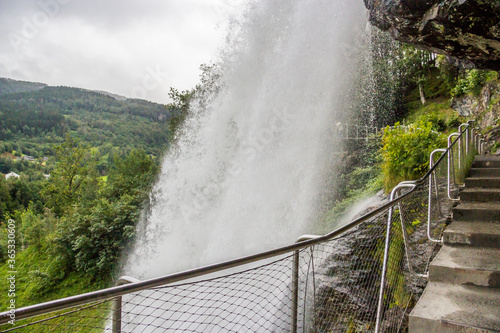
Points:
(413, 185)
(347, 129)
(451, 165)
(460, 144)
(128, 285)
(113, 292)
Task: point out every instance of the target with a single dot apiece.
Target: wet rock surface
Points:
(348, 279)
(466, 29)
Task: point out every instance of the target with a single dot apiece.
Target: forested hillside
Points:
(81, 165)
(9, 86)
(32, 121)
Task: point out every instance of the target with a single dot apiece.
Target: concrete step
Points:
(486, 161)
(491, 182)
(484, 172)
(484, 234)
(466, 265)
(480, 194)
(477, 211)
(456, 308)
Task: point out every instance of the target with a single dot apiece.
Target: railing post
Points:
(467, 141)
(473, 141)
(386, 254)
(469, 136)
(476, 139)
(117, 304)
(451, 166)
(429, 205)
(295, 281)
(295, 290)
(461, 145)
(117, 315)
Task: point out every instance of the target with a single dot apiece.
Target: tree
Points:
(74, 178)
(418, 64)
(179, 108)
(93, 234)
(132, 174)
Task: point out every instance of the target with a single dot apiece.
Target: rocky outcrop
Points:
(484, 108)
(466, 29)
(347, 275)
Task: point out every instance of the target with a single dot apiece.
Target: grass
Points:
(30, 290)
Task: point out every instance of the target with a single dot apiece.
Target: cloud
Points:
(112, 45)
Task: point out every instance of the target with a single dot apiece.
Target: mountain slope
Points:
(31, 121)
(9, 86)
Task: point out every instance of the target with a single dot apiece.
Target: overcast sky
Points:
(134, 48)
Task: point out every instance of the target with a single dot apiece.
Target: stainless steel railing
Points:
(466, 142)
(458, 142)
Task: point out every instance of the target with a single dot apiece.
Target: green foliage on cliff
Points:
(471, 82)
(406, 151)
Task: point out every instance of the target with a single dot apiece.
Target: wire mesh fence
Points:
(331, 283)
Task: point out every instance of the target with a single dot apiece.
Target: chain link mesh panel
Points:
(334, 285)
(338, 287)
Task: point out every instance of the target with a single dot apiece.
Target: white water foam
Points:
(247, 171)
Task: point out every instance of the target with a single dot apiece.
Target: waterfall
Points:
(247, 172)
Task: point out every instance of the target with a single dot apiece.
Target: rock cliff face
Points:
(466, 29)
(485, 109)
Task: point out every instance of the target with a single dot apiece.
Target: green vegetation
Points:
(9, 86)
(87, 163)
(78, 224)
(432, 82)
(31, 122)
(425, 85)
(406, 151)
(471, 82)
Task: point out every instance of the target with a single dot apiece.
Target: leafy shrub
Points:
(92, 235)
(436, 120)
(406, 150)
(472, 82)
(32, 227)
(94, 239)
(448, 72)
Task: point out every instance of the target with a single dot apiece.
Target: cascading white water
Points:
(246, 173)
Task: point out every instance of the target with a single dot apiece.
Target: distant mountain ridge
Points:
(10, 86)
(33, 116)
(115, 96)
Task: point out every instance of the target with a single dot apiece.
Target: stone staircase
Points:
(463, 293)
